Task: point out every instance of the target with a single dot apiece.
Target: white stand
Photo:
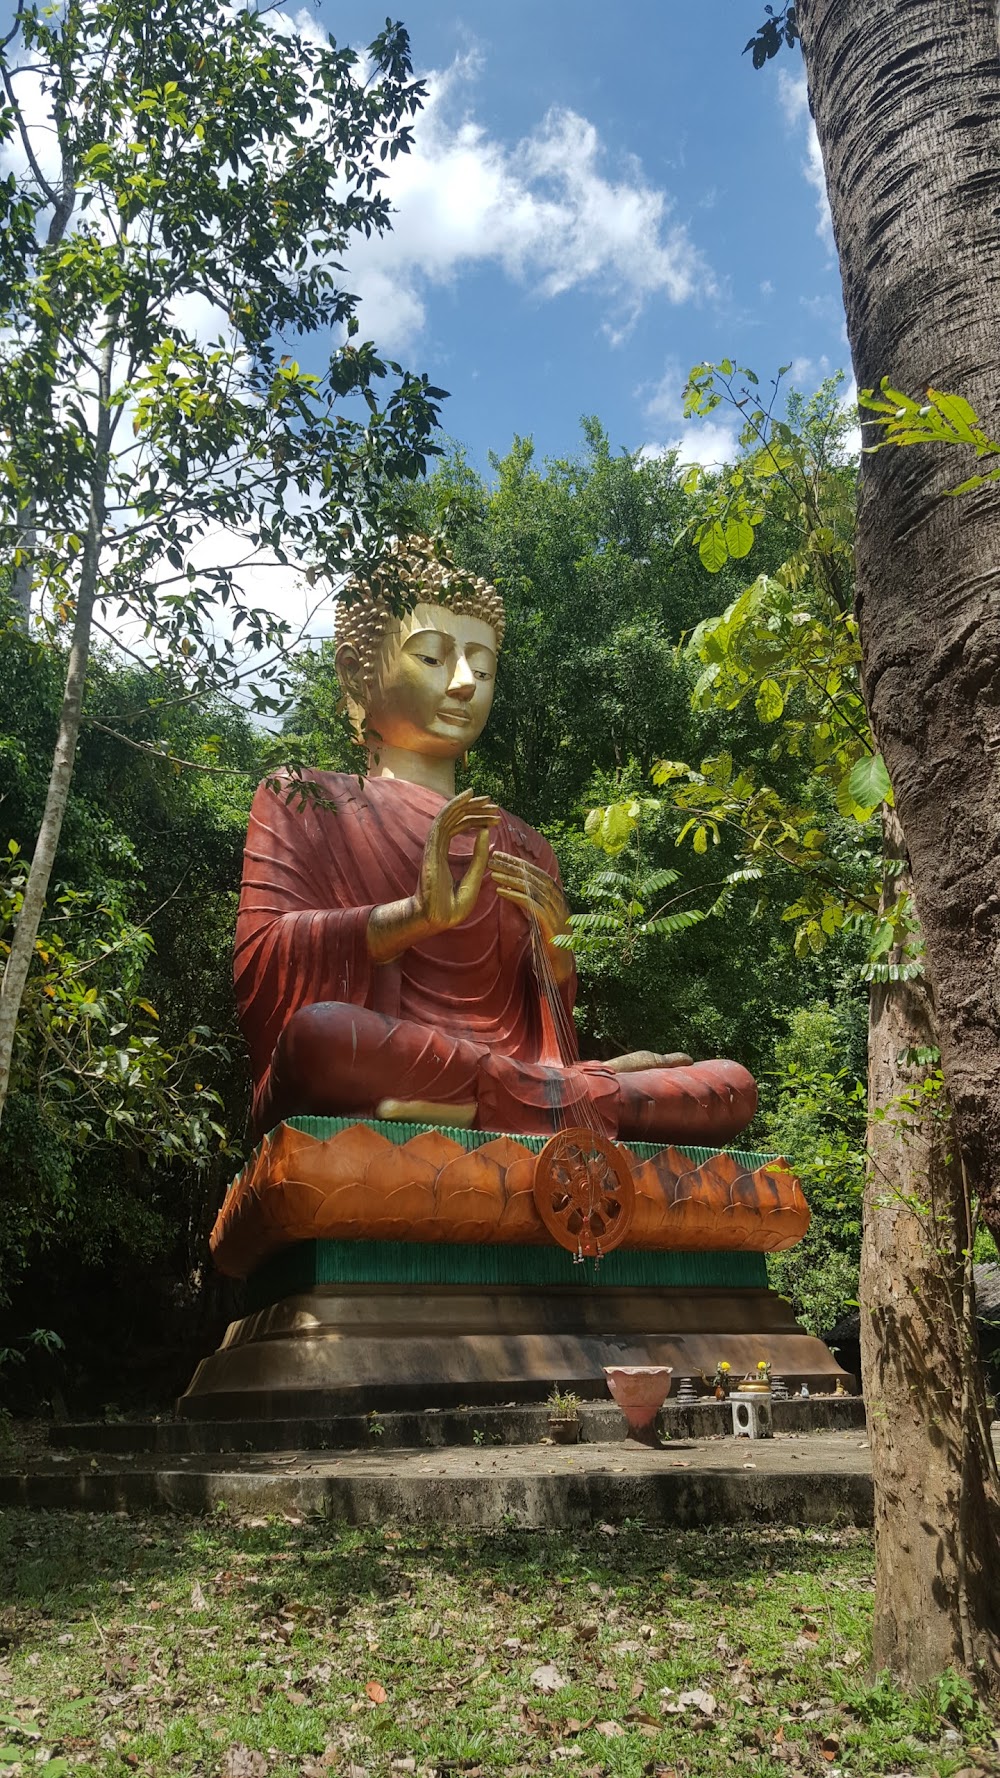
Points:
(751, 1415)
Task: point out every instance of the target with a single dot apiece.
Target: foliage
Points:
(815, 1110)
(939, 419)
(269, 1647)
(623, 916)
(111, 1175)
(89, 1048)
(90, 1065)
(779, 30)
(563, 1404)
(788, 644)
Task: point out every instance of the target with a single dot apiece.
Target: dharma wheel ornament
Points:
(583, 1192)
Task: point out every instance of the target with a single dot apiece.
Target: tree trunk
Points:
(937, 1514)
(906, 98)
(36, 889)
(20, 588)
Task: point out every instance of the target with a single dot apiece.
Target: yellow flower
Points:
(724, 1366)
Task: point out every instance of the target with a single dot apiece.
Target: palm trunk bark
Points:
(43, 858)
(906, 98)
(937, 1514)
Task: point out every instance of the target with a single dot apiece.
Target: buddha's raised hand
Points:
(439, 902)
(443, 902)
(541, 898)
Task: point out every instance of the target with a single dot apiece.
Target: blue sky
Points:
(597, 201)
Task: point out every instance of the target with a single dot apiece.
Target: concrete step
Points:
(514, 1424)
(816, 1479)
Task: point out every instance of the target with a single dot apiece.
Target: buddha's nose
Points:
(463, 680)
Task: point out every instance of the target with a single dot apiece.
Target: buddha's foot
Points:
(427, 1111)
(639, 1059)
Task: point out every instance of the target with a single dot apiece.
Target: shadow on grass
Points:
(55, 1568)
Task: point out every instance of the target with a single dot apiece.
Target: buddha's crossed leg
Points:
(334, 1059)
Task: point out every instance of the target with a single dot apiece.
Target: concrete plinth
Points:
(341, 1349)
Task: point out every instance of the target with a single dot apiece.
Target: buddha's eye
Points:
(481, 675)
(429, 660)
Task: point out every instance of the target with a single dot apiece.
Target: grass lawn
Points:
(239, 1648)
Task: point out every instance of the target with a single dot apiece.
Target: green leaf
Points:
(962, 418)
(869, 782)
(739, 537)
(713, 548)
(770, 701)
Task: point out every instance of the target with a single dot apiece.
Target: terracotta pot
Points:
(563, 1431)
(640, 1391)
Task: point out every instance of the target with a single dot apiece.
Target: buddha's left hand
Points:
(540, 896)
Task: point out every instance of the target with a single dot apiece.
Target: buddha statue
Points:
(398, 963)
(397, 951)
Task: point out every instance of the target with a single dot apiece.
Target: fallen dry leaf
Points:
(611, 1730)
(696, 1699)
(548, 1678)
(376, 1692)
(242, 1762)
(198, 1600)
(320, 1765)
(643, 1717)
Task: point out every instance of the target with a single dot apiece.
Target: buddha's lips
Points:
(456, 716)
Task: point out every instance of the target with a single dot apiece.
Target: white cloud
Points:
(853, 440)
(805, 374)
(547, 211)
(709, 442)
(793, 96)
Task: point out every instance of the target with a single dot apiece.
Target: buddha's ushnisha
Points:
(385, 964)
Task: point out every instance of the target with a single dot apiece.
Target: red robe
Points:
(454, 1019)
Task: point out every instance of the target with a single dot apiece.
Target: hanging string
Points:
(559, 1048)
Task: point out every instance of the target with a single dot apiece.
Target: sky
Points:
(596, 201)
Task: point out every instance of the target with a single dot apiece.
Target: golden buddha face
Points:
(431, 687)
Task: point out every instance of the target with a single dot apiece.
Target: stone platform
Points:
(804, 1478)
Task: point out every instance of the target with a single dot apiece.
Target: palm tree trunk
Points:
(937, 1514)
(906, 98)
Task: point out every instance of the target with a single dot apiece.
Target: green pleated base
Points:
(312, 1263)
(309, 1263)
(325, 1127)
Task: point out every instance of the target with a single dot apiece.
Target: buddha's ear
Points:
(354, 698)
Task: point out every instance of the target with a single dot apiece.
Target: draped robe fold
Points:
(459, 1017)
